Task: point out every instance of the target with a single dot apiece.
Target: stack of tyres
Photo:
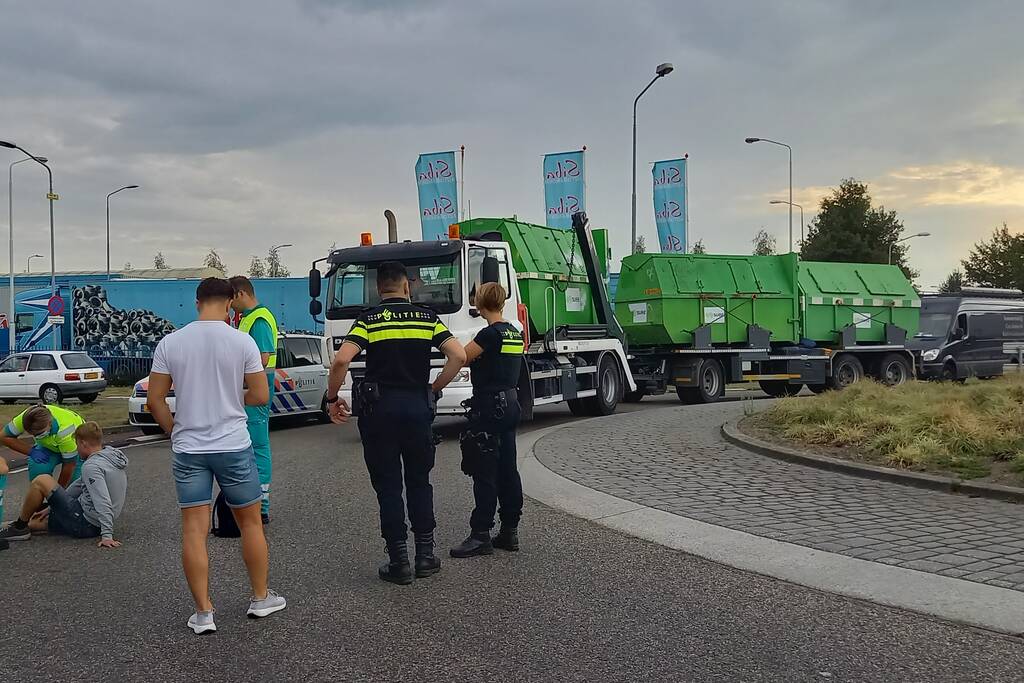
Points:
(103, 330)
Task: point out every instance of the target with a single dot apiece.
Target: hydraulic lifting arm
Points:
(602, 302)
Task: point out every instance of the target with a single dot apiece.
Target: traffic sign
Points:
(3, 321)
(55, 319)
(55, 305)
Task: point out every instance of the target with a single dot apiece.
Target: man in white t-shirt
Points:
(216, 371)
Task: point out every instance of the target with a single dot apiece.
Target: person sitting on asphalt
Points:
(88, 507)
(216, 371)
(53, 430)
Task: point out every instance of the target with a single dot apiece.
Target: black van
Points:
(972, 333)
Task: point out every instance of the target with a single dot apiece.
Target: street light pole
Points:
(28, 263)
(662, 70)
(126, 187)
(10, 245)
(51, 197)
(274, 250)
(791, 205)
(751, 141)
(908, 237)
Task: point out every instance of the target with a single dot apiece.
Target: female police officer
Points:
(489, 442)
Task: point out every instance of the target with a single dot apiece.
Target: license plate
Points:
(92, 375)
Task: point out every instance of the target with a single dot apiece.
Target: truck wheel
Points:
(51, 393)
(577, 407)
(949, 374)
(710, 384)
(609, 388)
(633, 396)
(777, 388)
(894, 369)
(846, 370)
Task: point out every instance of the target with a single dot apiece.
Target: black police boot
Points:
(507, 539)
(478, 543)
(427, 564)
(396, 569)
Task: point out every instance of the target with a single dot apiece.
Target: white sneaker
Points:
(267, 606)
(202, 622)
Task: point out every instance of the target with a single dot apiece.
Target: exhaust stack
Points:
(392, 226)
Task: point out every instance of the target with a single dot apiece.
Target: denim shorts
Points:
(66, 516)
(235, 473)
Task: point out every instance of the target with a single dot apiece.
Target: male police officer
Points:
(395, 406)
(258, 322)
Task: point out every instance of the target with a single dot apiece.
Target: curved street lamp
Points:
(10, 244)
(904, 239)
(126, 187)
(791, 204)
(662, 70)
(28, 263)
(751, 141)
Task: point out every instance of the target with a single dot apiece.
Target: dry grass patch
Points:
(937, 427)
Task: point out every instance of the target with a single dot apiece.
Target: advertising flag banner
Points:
(439, 194)
(670, 209)
(564, 188)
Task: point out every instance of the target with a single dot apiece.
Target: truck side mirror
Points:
(489, 270)
(314, 283)
(315, 308)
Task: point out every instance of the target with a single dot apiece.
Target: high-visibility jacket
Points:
(61, 436)
(261, 313)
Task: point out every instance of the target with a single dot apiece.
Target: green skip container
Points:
(663, 298)
(548, 263)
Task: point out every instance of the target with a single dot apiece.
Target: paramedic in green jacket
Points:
(258, 322)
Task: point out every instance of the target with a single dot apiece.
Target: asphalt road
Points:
(579, 603)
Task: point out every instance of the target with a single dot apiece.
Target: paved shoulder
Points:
(676, 460)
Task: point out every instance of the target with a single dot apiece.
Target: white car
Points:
(51, 376)
(300, 387)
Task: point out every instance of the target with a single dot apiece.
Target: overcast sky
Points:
(255, 122)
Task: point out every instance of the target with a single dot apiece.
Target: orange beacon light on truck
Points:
(366, 239)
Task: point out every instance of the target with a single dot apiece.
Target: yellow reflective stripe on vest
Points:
(512, 347)
(261, 313)
(391, 331)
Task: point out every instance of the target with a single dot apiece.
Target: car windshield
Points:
(435, 283)
(936, 318)
(78, 361)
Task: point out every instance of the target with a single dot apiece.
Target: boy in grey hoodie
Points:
(89, 506)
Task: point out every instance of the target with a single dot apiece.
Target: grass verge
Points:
(109, 412)
(969, 431)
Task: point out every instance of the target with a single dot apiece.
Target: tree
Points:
(698, 247)
(213, 260)
(274, 266)
(953, 283)
(159, 262)
(256, 268)
(998, 262)
(849, 229)
(764, 244)
(641, 245)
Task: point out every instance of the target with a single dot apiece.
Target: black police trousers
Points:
(398, 443)
(497, 479)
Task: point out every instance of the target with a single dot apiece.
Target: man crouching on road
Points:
(216, 371)
(89, 506)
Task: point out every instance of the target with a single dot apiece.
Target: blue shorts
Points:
(66, 516)
(235, 473)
